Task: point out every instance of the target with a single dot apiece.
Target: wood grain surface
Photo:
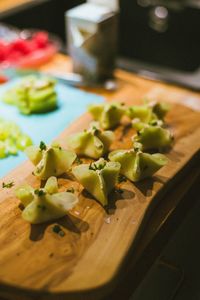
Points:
(36, 262)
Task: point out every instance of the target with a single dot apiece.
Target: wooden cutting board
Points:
(36, 262)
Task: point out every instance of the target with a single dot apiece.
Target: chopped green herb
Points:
(95, 130)
(120, 191)
(39, 192)
(154, 122)
(121, 178)
(58, 230)
(42, 207)
(61, 233)
(8, 185)
(96, 167)
(42, 146)
(70, 190)
(78, 161)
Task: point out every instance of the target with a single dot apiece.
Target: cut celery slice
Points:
(108, 115)
(98, 179)
(138, 165)
(51, 161)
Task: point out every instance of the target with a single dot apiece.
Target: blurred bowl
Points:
(31, 58)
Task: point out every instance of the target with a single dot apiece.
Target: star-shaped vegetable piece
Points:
(98, 178)
(93, 143)
(153, 137)
(109, 114)
(46, 204)
(136, 165)
(50, 160)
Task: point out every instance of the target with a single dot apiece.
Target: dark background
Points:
(178, 47)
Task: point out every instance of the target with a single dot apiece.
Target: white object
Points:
(111, 4)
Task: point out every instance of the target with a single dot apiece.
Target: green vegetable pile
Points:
(105, 168)
(32, 95)
(12, 139)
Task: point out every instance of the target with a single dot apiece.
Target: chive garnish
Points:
(42, 146)
(8, 185)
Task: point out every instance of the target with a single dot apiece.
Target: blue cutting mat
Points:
(72, 103)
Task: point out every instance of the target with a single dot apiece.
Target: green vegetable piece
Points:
(153, 137)
(108, 115)
(45, 204)
(25, 193)
(98, 178)
(138, 125)
(49, 207)
(142, 112)
(42, 146)
(23, 142)
(52, 161)
(12, 139)
(8, 185)
(34, 154)
(137, 165)
(2, 150)
(161, 109)
(32, 95)
(51, 186)
(92, 143)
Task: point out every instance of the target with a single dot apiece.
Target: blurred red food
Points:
(29, 52)
(3, 79)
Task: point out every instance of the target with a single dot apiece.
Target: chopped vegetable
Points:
(42, 146)
(58, 230)
(121, 178)
(8, 185)
(161, 109)
(12, 139)
(142, 112)
(147, 114)
(98, 178)
(41, 205)
(153, 137)
(50, 161)
(93, 143)
(32, 95)
(70, 190)
(108, 115)
(137, 165)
